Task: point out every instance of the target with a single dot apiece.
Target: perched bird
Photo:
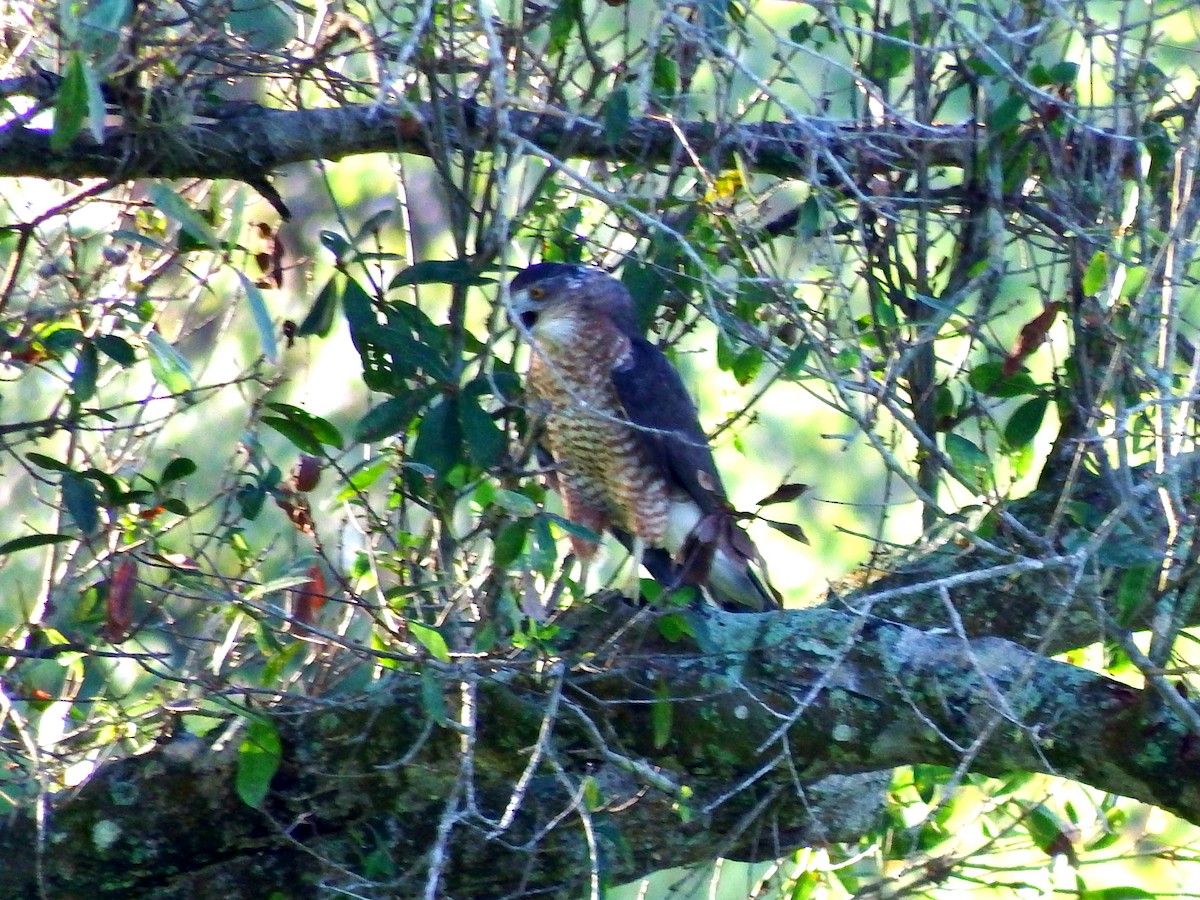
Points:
(626, 444)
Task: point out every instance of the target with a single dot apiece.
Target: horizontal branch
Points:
(247, 142)
(646, 753)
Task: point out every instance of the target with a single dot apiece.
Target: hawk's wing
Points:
(655, 398)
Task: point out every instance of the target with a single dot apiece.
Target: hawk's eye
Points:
(537, 293)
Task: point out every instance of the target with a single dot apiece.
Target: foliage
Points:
(256, 462)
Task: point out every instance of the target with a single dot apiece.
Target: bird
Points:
(626, 449)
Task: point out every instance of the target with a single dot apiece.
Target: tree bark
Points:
(246, 142)
(621, 756)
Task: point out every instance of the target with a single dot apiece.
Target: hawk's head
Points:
(552, 301)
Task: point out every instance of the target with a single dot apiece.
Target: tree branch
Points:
(734, 759)
(245, 142)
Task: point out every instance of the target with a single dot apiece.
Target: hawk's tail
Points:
(717, 556)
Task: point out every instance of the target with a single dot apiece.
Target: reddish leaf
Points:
(118, 608)
(296, 509)
(175, 561)
(1033, 335)
(795, 532)
(307, 600)
(269, 259)
(306, 473)
(785, 493)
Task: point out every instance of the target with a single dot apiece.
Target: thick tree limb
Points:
(246, 142)
(754, 717)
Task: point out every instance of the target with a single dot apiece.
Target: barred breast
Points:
(606, 477)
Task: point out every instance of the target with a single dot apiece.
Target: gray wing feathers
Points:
(656, 401)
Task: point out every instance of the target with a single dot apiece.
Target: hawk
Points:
(628, 451)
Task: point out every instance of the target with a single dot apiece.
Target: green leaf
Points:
(432, 698)
(794, 364)
(431, 639)
(47, 462)
(664, 77)
(360, 313)
(809, 224)
(262, 319)
(83, 379)
(176, 506)
(115, 348)
(484, 439)
(363, 478)
(335, 244)
(390, 417)
(1133, 589)
(981, 67)
(170, 369)
(928, 781)
(747, 365)
(1059, 73)
(439, 437)
(885, 315)
(180, 467)
(60, 340)
(179, 210)
(969, 461)
(646, 284)
(262, 24)
(390, 352)
(1123, 892)
(562, 20)
(250, 498)
(890, 55)
(100, 31)
(1024, 424)
(593, 799)
(297, 434)
(989, 379)
(113, 489)
(29, 541)
(314, 429)
(371, 227)
(275, 585)
(543, 552)
(95, 104)
(509, 542)
(124, 234)
(514, 503)
(71, 104)
(1046, 830)
(572, 528)
(675, 627)
(661, 715)
(616, 115)
(319, 319)
(440, 271)
(259, 755)
(1007, 114)
(1096, 275)
(1124, 550)
(79, 498)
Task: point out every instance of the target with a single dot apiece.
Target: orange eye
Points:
(537, 293)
